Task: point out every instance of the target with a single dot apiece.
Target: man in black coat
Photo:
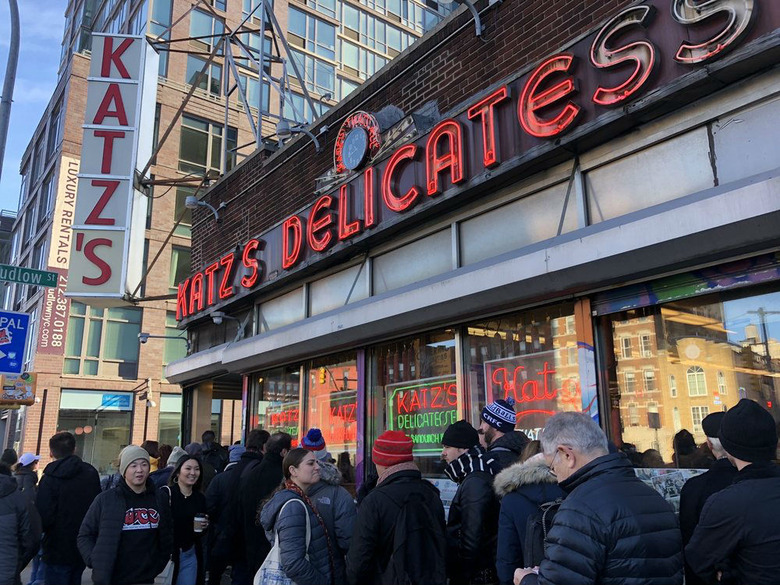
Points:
(214, 453)
(65, 493)
(737, 538)
(698, 489)
(498, 435)
(18, 539)
(255, 487)
(612, 528)
(472, 524)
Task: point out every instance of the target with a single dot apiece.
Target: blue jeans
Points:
(188, 567)
(63, 574)
(37, 575)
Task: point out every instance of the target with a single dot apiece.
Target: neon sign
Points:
(368, 126)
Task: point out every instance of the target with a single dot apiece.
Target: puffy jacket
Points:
(256, 484)
(65, 493)
(738, 532)
(18, 543)
(522, 487)
(612, 528)
(338, 511)
(27, 480)
(291, 528)
(506, 450)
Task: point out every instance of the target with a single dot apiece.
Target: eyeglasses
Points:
(552, 462)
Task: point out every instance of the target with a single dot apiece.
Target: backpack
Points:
(536, 528)
(419, 547)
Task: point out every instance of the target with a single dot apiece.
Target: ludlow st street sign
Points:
(28, 276)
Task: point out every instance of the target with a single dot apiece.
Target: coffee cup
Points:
(200, 522)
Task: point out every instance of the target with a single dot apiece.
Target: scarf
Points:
(475, 459)
(406, 466)
(290, 485)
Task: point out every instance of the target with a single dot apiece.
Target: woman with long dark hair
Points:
(290, 516)
(186, 501)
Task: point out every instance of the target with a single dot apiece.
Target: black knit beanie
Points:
(461, 435)
(748, 432)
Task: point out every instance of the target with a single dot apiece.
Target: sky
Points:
(41, 23)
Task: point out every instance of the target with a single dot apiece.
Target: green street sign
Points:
(28, 276)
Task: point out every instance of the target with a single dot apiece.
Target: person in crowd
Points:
(333, 502)
(126, 536)
(26, 473)
(374, 537)
(209, 473)
(9, 457)
(651, 458)
(738, 533)
(472, 524)
(686, 454)
(165, 452)
(18, 540)
(111, 480)
(255, 487)
(213, 453)
(611, 527)
(497, 432)
(347, 471)
(26, 476)
(153, 448)
(65, 493)
(306, 558)
(161, 476)
(698, 489)
(523, 488)
(185, 501)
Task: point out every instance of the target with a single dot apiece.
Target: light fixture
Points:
(474, 12)
(218, 318)
(143, 337)
(284, 132)
(192, 202)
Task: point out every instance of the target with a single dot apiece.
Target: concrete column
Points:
(201, 409)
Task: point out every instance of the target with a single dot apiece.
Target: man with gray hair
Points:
(611, 528)
(698, 489)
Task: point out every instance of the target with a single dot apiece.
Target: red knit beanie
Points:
(392, 448)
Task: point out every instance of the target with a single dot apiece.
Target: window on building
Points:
(251, 87)
(312, 34)
(697, 415)
(319, 76)
(38, 261)
(219, 4)
(210, 80)
(326, 7)
(346, 87)
(182, 213)
(169, 426)
(722, 384)
(359, 61)
(676, 419)
(252, 42)
(180, 266)
(645, 346)
(102, 342)
(31, 226)
(625, 347)
(649, 380)
(672, 387)
(23, 185)
(39, 161)
(253, 7)
(45, 199)
(200, 147)
(55, 131)
(174, 349)
(633, 414)
(278, 405)
(159, 22)
(697, 384)
(630, 383)
(207, 28)
(139, 20)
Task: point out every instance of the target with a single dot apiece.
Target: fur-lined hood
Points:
(533, 471)
(329, 473)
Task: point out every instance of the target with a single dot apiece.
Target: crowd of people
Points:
(566, 509)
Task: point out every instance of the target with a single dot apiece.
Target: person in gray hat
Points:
(736, 540)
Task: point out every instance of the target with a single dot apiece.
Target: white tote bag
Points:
(271, 571)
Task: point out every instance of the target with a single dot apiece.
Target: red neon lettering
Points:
(108, 137)
(533, 99)
(452, 394)
(292, 232)
(91, 255)
(113, 96)
(640, 53)
(530, 390)
(209, 271)
(438, 399)
(740, 15)
(225, 288)
(196, 292)
(318, 225)
(248, 281)
(181, 300)
(114, 56)
(453, 160)
(404, 202)
(94, 216)
(369, 204)
(346, 230)
(485, 110)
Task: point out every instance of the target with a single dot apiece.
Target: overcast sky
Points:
(42, 23)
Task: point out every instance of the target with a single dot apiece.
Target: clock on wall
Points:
(357, 141)
(355, 149)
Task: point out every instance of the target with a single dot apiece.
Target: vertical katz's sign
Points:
(110, 215)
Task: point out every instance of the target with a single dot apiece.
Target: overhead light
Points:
(143, 337)
(192, 202)
(477, 22)
(284, 132)
(218, 318)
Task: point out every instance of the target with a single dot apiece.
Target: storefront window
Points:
(278, 405)
(702, 356)
(414, 389)
(530, 356)
(169, 432)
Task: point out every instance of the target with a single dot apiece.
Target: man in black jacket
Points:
(736, 540)
(255, 487)
(214, 453)
(65, 493)
(498, 435)
(611, 528)
(698, 489)
(18, 539)
(472, 524)
(126, 536)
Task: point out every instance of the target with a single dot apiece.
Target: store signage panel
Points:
(96, 400)
(18, 389)
(105, 215)
(14, 328)
(652, 51)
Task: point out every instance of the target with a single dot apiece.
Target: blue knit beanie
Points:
(313, 441)
(500, 414)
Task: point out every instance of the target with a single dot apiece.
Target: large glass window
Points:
(180, 266)
(318, 75)
(159, 22)
(312, 34)
(210, 80)
(45, 198)
(184, 228)
(251, 85)
(200, 146)
(207, 28)
(175, 347)
(278, 406)
(169, 427)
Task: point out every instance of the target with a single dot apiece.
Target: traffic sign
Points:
(13, 338)
(28, 276)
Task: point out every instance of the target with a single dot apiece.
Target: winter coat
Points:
(182, 512)
(338, 511)
(215, 455)
(506, 450)
(101, 533)
(161, 476)
(738, 532)
(372, 538)
(27, 480)
(255, 486)
(65, 493)
(18, 543)
(693, 496)
(611, 529)
(523, 488)
(291, 528)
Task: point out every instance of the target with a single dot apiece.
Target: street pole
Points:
(10, 79)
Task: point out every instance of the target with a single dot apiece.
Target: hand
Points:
(205, 522)
(520, 574)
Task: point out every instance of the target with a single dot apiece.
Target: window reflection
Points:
(278, 406)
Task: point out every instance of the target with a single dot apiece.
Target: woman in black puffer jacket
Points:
(18, 543)
(301, 472)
